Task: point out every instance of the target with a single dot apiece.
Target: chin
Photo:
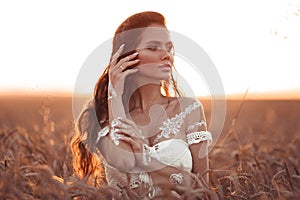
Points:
(167, 77)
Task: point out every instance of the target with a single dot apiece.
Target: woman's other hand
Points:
(132, 135)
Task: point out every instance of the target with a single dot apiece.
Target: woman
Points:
(147, 135)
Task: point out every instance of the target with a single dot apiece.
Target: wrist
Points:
(139, 160)
(117, 98)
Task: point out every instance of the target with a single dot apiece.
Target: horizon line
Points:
(286, 94)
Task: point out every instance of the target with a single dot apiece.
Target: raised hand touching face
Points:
(120, 69)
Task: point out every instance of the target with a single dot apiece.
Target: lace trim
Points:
(172, 125)
(197, 137)
(137, 179)
(146, 154)
(115, 137)
(103, 132)
(144, 178)
(197, 124)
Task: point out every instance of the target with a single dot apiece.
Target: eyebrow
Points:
(158, 42)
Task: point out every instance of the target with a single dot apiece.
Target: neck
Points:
(146, 96)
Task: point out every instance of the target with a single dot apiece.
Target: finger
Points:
(125, 65)
(137, 145)
(117, 54)
(128, 58)
(129, 140)
(137, 131)
(131, 132)
(121, 77)
(121, 125)
(127, 131)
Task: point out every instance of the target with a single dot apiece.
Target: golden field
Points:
(257, 157)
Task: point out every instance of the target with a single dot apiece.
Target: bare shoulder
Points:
(193, 109)
(185, 105)
(189, 101)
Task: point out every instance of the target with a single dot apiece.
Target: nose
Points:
(165, 55)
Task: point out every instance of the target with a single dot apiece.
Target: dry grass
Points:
(256, 158)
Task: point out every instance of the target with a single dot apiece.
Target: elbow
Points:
(122, 163)
(120, 158)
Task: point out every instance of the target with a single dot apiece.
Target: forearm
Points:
(163, 177)
(200, 159)
(161, 173)
(201, 168)
(126, 162)
(120, 157)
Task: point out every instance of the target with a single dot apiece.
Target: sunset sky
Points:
(253, 44)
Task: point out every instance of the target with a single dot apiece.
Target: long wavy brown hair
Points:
(95, 114)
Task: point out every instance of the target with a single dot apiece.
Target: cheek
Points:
(148, 58)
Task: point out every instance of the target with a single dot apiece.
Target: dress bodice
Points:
(172, 152)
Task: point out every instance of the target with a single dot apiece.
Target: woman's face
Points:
(155, 53)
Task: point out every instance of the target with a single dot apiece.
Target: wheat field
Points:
(256, 157)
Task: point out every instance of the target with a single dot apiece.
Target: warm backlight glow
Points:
(253, 45)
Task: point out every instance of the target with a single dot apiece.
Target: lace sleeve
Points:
(199, 136)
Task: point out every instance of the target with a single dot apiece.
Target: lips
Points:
(167, 65)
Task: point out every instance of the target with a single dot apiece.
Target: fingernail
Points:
(136, 53)
(122, 45)
(137, 60)
(119, 118)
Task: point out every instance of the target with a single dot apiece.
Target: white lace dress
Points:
(173, 152)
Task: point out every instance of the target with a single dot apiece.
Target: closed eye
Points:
(153, 47)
